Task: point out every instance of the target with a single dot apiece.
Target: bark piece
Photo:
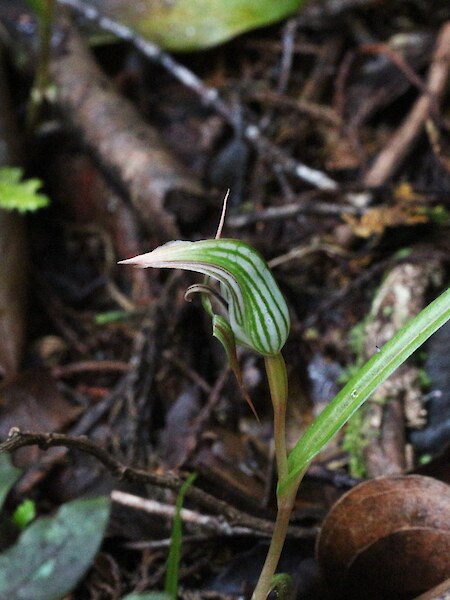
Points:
(12, 252)
(79, 184)
(398, 401)
(129, 149)
(12, 292)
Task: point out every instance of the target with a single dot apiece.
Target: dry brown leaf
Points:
(405, 210)
(33, 402)
(387, 537)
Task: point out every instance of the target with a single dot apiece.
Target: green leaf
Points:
(20, 195)
(112, 316)
(24, 514)
(186, 25)
(52, 555)
(173, 560)
(282, 586)
(360, 387)
(257, 312)
(8, 476)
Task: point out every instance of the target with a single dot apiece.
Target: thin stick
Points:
(209, 523)
(291, 210)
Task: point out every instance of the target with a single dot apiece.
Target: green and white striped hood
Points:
(257, 312)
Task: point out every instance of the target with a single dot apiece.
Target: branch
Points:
(208, 523)
(18, 439)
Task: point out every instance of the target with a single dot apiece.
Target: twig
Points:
(210, 523)
(209, 96)
(288, 46)
(18, 439)
(313, 110)
(115, 366)
(13, 248)
(299, 252)
(368, 275)
(398, 60)
(339, 480)
(390, 158)
(275, 213)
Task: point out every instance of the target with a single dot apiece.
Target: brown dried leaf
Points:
(33, 402)
(386, 537)
(405, 210)
(375, 220)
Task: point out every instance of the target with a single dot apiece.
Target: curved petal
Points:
(258, 313)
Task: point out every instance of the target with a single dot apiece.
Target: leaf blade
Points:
(358, 389)
(53, 553)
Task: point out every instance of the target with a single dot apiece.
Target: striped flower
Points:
(257, 312)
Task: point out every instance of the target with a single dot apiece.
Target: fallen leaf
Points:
(375, 220)
(33, 402)
(53, 553)
(387, 537)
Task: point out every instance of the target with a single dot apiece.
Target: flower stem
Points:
(277, 378)
(285, 506)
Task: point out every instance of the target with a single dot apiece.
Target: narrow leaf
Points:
(173, 561)
(360, 387)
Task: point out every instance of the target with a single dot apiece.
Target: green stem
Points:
(277, 378)
(285, 506)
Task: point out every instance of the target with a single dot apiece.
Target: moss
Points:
(357, 433)
(356, 438)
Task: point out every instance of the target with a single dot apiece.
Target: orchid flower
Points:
(256, 316)
(257, 312)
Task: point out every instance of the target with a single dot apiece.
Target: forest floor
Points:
(332, 132)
